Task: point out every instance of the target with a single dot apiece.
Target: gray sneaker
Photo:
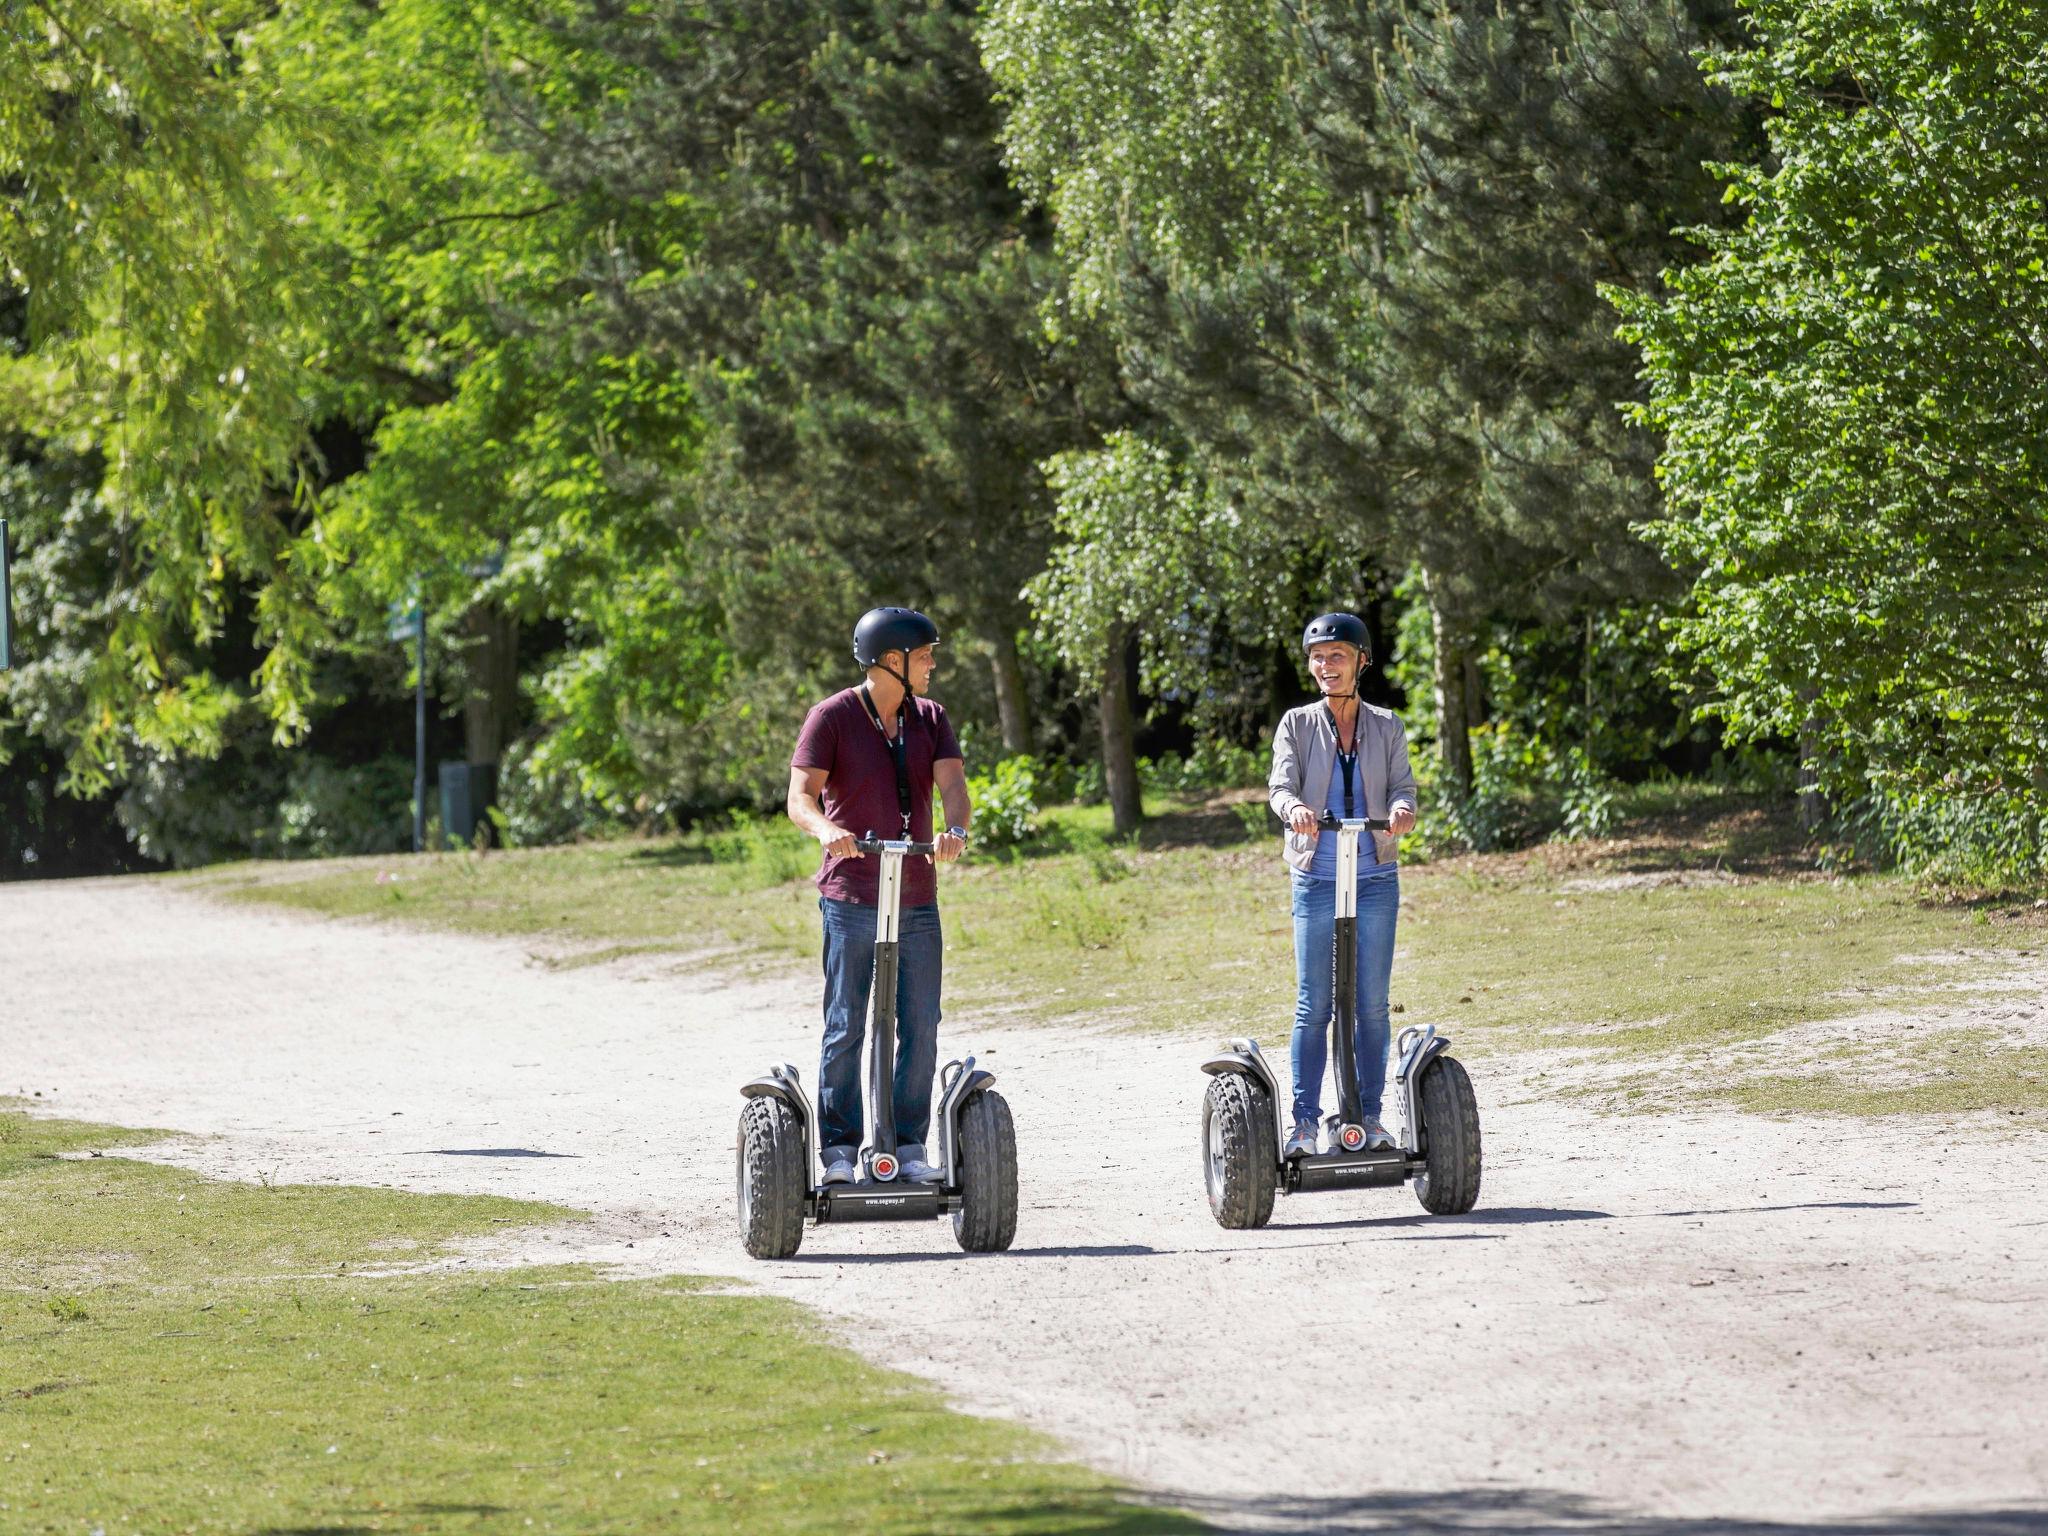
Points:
(839, 1165)
(1303, 1142)
(1377, 1137)
(915, 1168)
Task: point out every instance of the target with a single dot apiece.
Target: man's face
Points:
(919, 665)
(1334, 665)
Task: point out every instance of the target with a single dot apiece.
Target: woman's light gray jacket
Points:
(1304, 757)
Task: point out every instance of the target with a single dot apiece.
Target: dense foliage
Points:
(1657, 376)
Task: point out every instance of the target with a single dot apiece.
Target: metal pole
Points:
(6, 618)
(419, 730)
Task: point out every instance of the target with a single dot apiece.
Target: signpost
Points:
(410, 623)
(6, 605)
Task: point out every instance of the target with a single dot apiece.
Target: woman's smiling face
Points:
(1333, 664)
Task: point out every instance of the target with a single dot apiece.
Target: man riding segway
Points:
(868, 759)
(865, 764)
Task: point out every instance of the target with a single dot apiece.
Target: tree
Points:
(1153, 559)
(1849, 388)
(173, 310)
(1353, 254)
(859, 317)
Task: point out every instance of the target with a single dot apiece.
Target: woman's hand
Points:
(1302, 821)
(1401, 820)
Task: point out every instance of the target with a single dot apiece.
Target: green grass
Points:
(1666, 961)
(185, 1355)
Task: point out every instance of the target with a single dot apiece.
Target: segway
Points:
(976, 1139)
(1242, 1142)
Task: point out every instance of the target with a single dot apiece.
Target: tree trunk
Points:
(490, 704)
(1456, 693)
(1119, 738)
(1813, 805)
(1013, 704)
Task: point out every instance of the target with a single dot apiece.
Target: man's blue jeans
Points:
(1315, 925)
(849, 981)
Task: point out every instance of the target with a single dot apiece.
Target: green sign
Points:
(6, 605)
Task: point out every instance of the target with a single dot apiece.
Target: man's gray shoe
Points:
(1377, 1137)
(1303, 1142)
(839, 1167)
(915, 1168)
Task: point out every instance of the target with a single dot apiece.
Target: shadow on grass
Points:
(670, 855)
(1530, 1511)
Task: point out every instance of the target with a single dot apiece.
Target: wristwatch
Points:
(959, 832)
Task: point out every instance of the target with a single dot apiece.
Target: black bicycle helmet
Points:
(882, 630)
(1348, 627)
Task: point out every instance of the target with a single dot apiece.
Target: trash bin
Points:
(468, 791)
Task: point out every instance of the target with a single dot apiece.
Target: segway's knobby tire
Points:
(771, 1178)
(986, 1219)
(1449, 1185)
(1238, 1137)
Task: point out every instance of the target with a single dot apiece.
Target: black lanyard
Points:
(899, 751)
(1347, 761)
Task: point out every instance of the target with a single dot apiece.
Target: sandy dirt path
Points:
(1669, 1325)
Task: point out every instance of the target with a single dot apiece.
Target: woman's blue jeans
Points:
(1315, 924)
(849, 981)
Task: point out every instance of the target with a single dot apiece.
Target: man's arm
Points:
(807, 810)
(950, 774)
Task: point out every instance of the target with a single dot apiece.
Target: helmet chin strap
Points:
(902, 677)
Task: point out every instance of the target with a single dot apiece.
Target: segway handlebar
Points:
(874, 844)
(1332, 819)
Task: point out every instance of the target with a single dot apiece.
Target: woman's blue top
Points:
(1324, 865)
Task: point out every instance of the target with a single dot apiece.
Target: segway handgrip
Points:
(874, 844)
(1332, 819)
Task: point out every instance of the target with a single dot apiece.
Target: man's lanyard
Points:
(1347, 761)
(899, 751)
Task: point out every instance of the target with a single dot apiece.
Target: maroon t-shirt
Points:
(839, 736)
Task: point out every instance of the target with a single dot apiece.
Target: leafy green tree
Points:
(1354, 253)
(174, 306)
(1849, 388)
(858, 317)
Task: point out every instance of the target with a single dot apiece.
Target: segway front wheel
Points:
(1449, 1184)
(986, 1219)
(1238, 1159)
(771, 1178)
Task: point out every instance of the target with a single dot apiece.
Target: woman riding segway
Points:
(1338, 758)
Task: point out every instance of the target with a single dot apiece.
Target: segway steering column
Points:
(1350, 1109)
(883, 1163)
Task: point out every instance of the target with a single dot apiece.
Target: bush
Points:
(763, 850)
(1006, 804)
(1211, 765)
(328, 810)
(541, 808)
(1979, 843)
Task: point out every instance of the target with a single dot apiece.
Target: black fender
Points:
(959, 1081)
(781, 1081)
(1418, 1046)
(1243, 1056)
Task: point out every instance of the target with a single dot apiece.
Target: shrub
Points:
(762, 850)
(1006, 804)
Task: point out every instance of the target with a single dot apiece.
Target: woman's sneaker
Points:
(1377, 1137)
(1303, 1142)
